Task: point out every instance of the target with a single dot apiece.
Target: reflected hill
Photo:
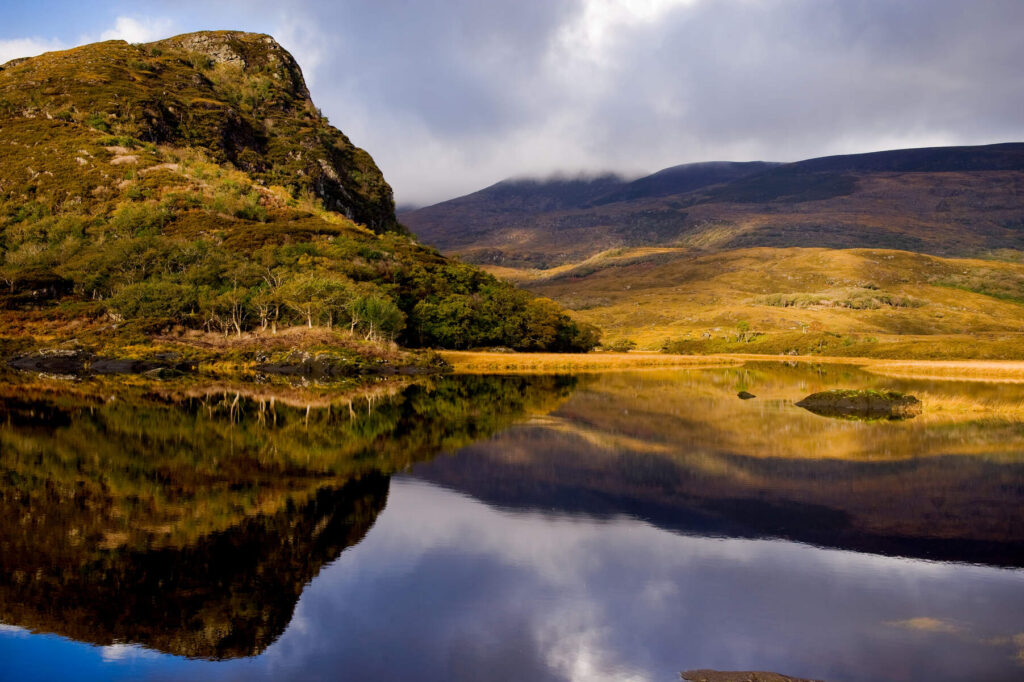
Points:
(679, 449)
(190, 521)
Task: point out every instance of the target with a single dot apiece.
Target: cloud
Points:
(136, 30)
(452, 95)
(131, 29)
(27, 47)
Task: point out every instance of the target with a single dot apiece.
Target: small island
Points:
(862, 404)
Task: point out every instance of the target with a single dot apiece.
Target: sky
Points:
(450, 96)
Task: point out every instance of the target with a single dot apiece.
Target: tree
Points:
(380, 317)
(304, 295)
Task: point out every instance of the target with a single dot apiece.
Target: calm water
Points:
(614, 526)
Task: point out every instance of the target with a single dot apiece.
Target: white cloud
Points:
(600, 19)
(135, 30)
(126, 652)
(131, 29)
(13, 630)
(27, 47)
(305, 43)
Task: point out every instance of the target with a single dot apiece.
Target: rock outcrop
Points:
(852, 404)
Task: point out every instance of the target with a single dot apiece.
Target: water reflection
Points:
(610, 527)
(191, 522)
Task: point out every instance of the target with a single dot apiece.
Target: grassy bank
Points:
(472, 362)
(479, 362)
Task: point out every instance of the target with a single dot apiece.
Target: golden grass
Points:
(698, 414)
(718, 301)
(477, 362)
(952, 370)
(473, 362)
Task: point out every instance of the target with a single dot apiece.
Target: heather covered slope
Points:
(190, 187)
(955, 201)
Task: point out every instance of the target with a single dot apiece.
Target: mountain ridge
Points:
(835, 201)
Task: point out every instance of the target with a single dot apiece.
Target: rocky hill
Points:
(189, 188)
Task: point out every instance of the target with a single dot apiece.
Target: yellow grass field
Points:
(804, 301)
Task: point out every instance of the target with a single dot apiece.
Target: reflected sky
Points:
(615, 526)
(445, 587)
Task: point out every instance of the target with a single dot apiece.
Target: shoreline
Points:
(482, 362)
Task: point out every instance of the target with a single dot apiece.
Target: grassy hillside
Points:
(908, 253)
(857, 302)
(189, 189)
(962, 201)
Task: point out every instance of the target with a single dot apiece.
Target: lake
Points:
(607, 526)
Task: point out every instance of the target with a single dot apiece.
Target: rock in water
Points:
(866, 404)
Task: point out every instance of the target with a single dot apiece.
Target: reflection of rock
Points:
(723, 676)
(744, 395)
(81, 363)
(862, 404)
(230, 594)
(191, 523)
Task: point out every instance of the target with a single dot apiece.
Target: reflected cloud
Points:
(126, 652)
(454, 580)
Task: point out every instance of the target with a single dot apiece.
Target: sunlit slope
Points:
(851, 301)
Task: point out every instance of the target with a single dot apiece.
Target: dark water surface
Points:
(611, 526)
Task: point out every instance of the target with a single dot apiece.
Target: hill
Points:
(802, 301)
(906, 253)
(170, 194)
(955, 201)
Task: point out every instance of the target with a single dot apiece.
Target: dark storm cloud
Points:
(450, 96)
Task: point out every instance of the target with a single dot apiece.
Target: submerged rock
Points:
(866, 404)
(751, 676)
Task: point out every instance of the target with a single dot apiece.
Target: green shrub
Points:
(98, 122)
(154, 299)
(621, 345)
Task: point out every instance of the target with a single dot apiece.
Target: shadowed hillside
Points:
(952, 201)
